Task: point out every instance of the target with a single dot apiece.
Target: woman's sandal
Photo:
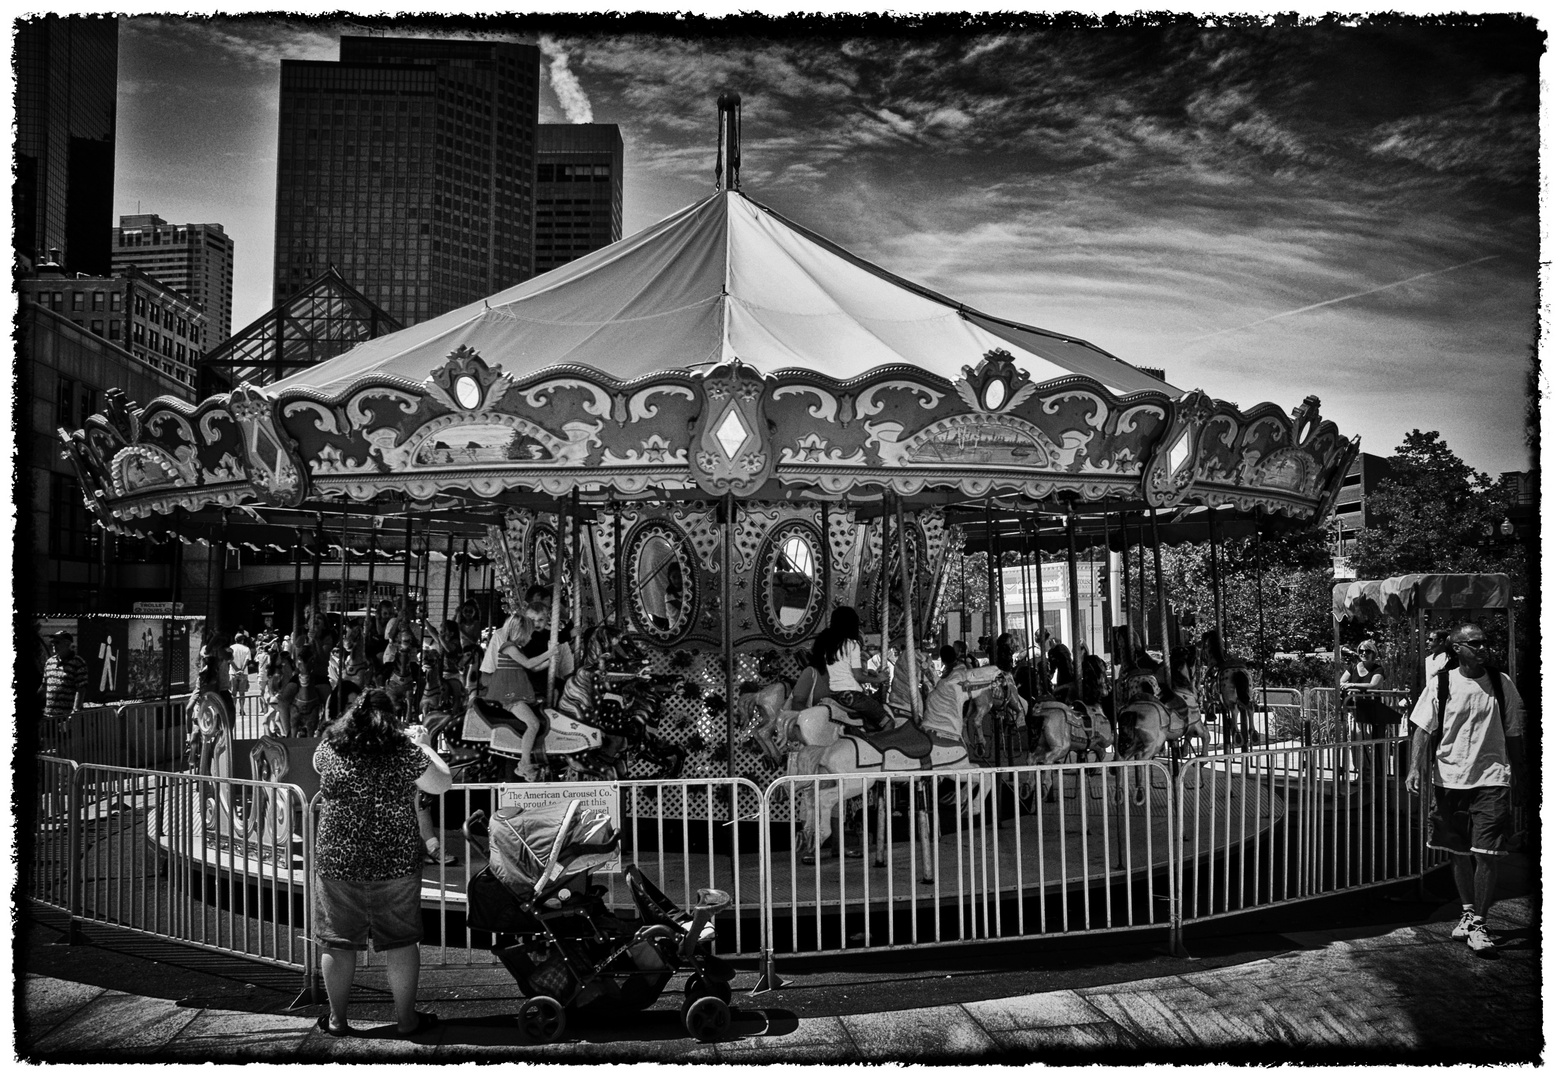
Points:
(426, 1022)
(324, 1025)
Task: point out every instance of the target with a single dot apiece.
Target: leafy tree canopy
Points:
(1433, 514)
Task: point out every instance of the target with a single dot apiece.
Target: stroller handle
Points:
(475, 830)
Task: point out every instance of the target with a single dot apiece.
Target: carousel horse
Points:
(1230, 687)
(628, 713)
(1146, 724)
(570, 729)
(1065, 730)
(210, 753)
(777, 713)
(270, 818)
(937, 744)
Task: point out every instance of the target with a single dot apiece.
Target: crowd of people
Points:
(305, 679)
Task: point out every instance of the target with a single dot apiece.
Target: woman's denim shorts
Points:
(348, 914)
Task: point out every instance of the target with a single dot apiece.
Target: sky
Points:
(1265, 212)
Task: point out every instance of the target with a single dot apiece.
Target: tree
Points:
(1433, 514)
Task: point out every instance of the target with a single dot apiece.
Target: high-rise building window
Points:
(64, 402)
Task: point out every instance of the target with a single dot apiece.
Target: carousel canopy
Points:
(722, 352)
(723, 281)
(1368, 601)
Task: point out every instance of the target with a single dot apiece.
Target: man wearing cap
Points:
(64, 681)
(1476, 730)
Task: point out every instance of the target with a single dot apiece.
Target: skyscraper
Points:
(196, 260)
(67, 68)
(408, 165)
(580, 191)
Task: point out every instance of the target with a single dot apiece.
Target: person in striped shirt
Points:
(64, 683)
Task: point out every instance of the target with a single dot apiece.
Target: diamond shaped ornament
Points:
(731, 433)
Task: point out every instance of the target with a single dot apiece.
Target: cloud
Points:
(566, 87)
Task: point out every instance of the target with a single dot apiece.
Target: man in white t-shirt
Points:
(1477, 771)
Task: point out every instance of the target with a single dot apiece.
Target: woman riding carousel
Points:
(837, 656)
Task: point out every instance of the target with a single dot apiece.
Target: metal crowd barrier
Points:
(1024, 852)
(1010, 865)
(202, 860)
(1277, 826)
(141, 735)
(1329, 717)
(684, 835)
(52, 868)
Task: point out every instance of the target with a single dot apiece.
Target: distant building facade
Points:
(195, 259)
(408, 165)
(156, 325)
(1350, 508)
(579, 193)
(62, 564)
(67, 72)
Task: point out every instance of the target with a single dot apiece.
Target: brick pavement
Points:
(1376, 994)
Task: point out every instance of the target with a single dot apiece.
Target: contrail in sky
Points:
(576, 105)
(1339, 299)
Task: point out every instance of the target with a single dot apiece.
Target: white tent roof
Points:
(725, 279)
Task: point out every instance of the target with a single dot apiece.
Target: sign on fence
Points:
(594, 798)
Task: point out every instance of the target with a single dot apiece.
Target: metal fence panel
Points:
(684, 835)
(52, 867)
(1283, 824)
(209, 861)
(1030, 851)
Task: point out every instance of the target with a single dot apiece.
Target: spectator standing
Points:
(1439, 654)
(238, 675)
(1472, 720)
(64, 683)
(369, 856)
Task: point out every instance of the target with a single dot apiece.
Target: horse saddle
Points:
(1082, 731)
(904, 748)
(490, 722)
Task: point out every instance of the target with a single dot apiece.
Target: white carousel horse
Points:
(512, 731)
(1147, 724)
(905, 747)
(1231, 686)
(271, 814)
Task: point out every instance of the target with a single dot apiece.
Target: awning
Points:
(1368, 601)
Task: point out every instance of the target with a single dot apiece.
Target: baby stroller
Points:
(568, 953)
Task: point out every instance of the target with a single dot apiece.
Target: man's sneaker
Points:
(1478, 939)
(1462, 927)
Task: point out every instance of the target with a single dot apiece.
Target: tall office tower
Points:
(407, 165)
(580, 191)
(196, 260)
(67, 69)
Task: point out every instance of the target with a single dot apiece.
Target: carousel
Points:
(700, 441)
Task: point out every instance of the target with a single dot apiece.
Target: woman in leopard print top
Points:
(369, 855)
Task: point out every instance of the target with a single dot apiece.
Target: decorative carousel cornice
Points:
(471, 429)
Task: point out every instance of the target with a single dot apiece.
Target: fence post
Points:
(313, 991)
(768, 979)
(1177, 946)
(75, 857)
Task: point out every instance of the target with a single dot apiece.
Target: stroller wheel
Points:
(698, 986)
(541, 1019)
(707, 1018)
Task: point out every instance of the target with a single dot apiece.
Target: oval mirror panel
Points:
(661, 581)
(468, 393)
(789, 582)
(994, 393)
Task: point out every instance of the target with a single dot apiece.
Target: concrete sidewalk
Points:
(1375, 994)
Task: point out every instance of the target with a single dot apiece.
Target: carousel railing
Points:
(206, 861)
(53, 869)
(1010, 865)
(139, 734)
(684, 835)
(1280, 825)
(1023, 852)
(1330, 714)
